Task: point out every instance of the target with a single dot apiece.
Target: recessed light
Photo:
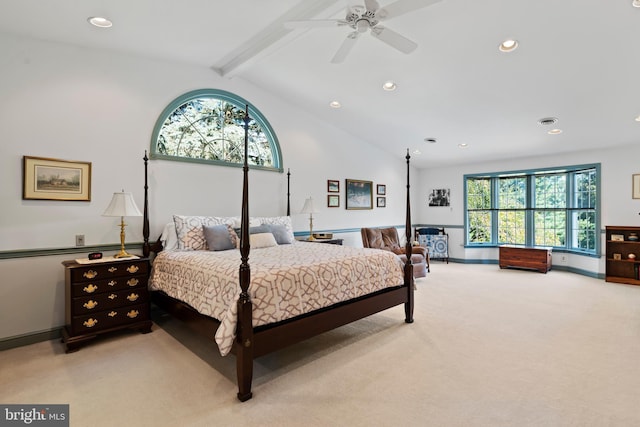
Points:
(389, 86)
(417, 152)
(636, 3)
(555, 131)
(508, 45)
(463, 145)
(430, 140)
(638, 118)
(548, 121)
(335, 104)
(98, 21)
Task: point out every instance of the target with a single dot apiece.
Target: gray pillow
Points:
(254, 230)
(218, 237)
(280, 232)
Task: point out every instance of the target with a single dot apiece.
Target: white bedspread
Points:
(286, 280)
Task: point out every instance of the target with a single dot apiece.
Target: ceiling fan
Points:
(368, 17)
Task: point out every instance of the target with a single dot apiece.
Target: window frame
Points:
(233, 99)
(531, 209)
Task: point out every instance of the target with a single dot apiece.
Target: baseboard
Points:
(28, 339)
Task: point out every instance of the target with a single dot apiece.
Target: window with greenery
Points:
(557, 208)
(207, 126)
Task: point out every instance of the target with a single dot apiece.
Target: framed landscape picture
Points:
(381, 190)
(381, 202)
(333, 201)
(333, 186)
(359, 194)
(53, 179)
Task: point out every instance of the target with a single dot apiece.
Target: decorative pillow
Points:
(254, 230)
(262, 240)
(218, 237)
(169, 238)
(280, 220)
(189, 230)
(280, 233)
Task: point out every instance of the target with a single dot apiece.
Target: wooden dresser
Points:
(534, 258)
(105, 296)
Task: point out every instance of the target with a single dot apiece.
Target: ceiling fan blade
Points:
(314, 23)
(401, 7)
(345, 47)
(371, 5)
(393, 39)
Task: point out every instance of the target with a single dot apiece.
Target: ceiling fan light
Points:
(100, 22)
(508, 45)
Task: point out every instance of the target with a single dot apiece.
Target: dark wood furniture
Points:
(528, 257)
(621, 241)
(251, 342)
(104, 297)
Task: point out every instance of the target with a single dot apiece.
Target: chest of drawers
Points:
(103, 297)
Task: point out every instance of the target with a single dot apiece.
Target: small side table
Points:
(105, 296)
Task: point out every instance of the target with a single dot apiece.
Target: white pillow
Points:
(169, 238)
(262, 240)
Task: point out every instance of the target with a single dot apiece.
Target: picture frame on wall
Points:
(635, 186)
(381, 202)
(54, 179)
(333, 186)
(359, 194)
(381, 190)
(333, 201)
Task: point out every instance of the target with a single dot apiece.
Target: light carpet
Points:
(488, 347)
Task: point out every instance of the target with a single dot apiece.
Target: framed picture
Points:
(53, 179)
(635, 186)
(333, 186)
(333, 201)
(617, 256)
(359, 194)
(381, 202)
(381, 190)
(439, 197)
(617, 237)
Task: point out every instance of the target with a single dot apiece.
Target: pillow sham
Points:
(189, 230)
(262, 240)
(280, 233)
(219, 237)
(169, 238)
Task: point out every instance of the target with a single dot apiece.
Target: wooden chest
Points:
(103, 297)
(534, 258)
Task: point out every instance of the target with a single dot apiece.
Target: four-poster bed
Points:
(251, 338)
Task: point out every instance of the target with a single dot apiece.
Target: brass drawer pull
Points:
(113, 269)
(90, 289)
(90, 323)
(112, 283)
(113, 314)
(112, 296)
(90, 274)
(90, 305)
(132, 282)
(133, 269)
(133, 297)
(133, 314)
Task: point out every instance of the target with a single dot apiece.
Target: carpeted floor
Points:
(488, 347)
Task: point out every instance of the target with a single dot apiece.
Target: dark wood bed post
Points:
(244, 331)
(288, 192)
(408, 267)
(146, 247)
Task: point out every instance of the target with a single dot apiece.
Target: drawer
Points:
(109, 285)
(117, 317)
(108, 300)
(92, 272)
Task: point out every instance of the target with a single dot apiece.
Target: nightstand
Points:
(330, 241)
(105, 296)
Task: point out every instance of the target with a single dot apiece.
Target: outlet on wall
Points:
(79, 239)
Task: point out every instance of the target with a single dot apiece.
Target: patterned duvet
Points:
(286, 280)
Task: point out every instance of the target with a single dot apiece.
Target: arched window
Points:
(207, 126)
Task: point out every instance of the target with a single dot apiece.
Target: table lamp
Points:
(310, 209)
(122, 204)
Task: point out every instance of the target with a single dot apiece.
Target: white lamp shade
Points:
(122, 204)
(308, 207)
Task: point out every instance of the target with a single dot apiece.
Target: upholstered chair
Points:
(387, 239)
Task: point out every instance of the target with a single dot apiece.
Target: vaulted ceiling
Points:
(576, 61)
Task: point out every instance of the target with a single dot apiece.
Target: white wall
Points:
(71, 103)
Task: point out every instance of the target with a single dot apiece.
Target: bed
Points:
(289, 292)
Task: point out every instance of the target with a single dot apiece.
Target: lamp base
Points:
(311, 238)
(123, 254)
